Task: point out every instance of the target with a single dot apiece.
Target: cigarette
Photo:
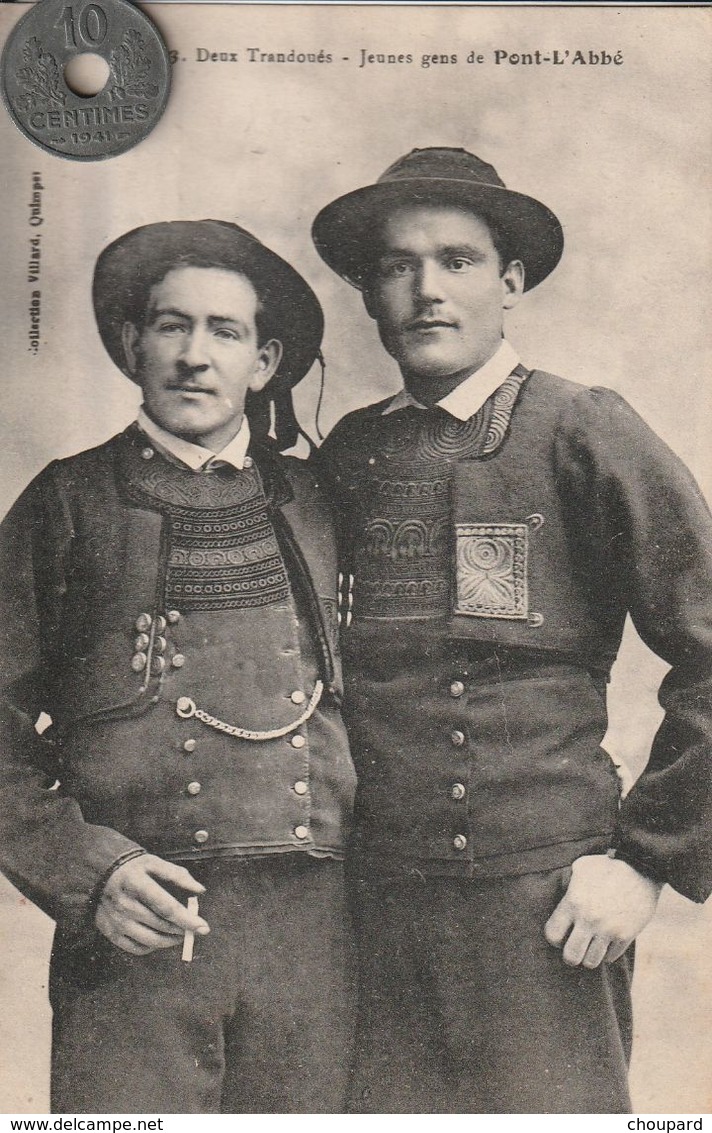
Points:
(189, 935)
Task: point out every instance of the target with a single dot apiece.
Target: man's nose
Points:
(195, 349)
(429, 282)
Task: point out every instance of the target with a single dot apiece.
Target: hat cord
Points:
(320, 399)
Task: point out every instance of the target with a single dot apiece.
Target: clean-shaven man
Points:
(498, 524)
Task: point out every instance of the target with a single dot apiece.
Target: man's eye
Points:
(459, 263)
(227, 334)
(395, 268)
(170, 328)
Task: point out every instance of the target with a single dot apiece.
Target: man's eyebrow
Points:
(173, 312)
(470, 250)
(213, 320)
(176, 313)
(442, 250)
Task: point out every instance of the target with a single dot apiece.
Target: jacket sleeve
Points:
(644, 535)
(53, 856)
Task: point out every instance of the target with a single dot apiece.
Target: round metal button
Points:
(248, 462)
(138, 662)
(143, 623)
(457, 791)
(457, 738)
(298, 741)
(159, 643)
(300, 787)
(160, 623)
(459, 842)
(173, 616)
(457, 688)
(158, 664)
(147, 453)
(193, 789)
(298, 697)
(301, 832)
(201, 836)
(185, 706)
(141, 642)
(189, 745)
(177, 660)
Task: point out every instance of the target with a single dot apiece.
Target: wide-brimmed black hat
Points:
(343, 231)
(127, 270)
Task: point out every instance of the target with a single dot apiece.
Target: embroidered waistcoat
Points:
(489, 566)
(184, 627)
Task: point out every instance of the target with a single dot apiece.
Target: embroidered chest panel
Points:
(405, 539)
(223, 551)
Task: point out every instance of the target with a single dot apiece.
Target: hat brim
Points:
(129, 267)
(343, 231)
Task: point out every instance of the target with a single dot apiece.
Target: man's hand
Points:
(607, 903)
(138, 915)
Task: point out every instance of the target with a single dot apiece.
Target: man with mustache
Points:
(497, 526)
(169, 601)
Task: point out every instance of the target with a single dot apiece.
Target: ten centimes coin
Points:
(45, 108)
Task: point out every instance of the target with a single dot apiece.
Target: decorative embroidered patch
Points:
(492, 570)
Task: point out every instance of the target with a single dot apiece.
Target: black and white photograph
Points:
(356, 560)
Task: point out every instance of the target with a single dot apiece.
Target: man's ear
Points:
(512, 284)
(129, 340)
(268, 360)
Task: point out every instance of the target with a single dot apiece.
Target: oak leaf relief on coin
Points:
(40, 79)
(130, 69)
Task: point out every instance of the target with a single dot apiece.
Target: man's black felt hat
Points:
(344, 230)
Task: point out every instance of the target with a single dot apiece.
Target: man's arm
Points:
(647, 536)
(66, 866)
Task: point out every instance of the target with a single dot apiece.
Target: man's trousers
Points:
(465, 1008)
(260, 1021)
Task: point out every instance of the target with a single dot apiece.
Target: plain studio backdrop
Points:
(619, 150)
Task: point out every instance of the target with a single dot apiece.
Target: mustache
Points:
(423, 321)
(187, 379)
(189, 385)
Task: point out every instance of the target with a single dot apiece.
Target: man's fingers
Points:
(559, 923)
(577, 945)
(166, 906)
(134, 883)
(175, 874)
(149, 939)
(616, 949)
(596, 953)
(138, 913)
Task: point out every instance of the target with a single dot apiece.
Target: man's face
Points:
(198, 353)
(438, 291)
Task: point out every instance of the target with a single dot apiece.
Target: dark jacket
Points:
(490, 588)
(85, 560)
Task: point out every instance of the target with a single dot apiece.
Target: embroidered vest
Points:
(464, 523)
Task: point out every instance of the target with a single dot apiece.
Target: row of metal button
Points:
(457, 790)
(144, 621)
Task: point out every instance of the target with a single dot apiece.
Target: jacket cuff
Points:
(136, 852)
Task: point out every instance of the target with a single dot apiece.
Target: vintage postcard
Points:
(274, 112)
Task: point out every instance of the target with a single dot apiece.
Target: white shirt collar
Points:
(471, 394)
(195, 456)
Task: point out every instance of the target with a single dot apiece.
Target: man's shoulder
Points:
(102, 453)
(355, 425)
(84, 468)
